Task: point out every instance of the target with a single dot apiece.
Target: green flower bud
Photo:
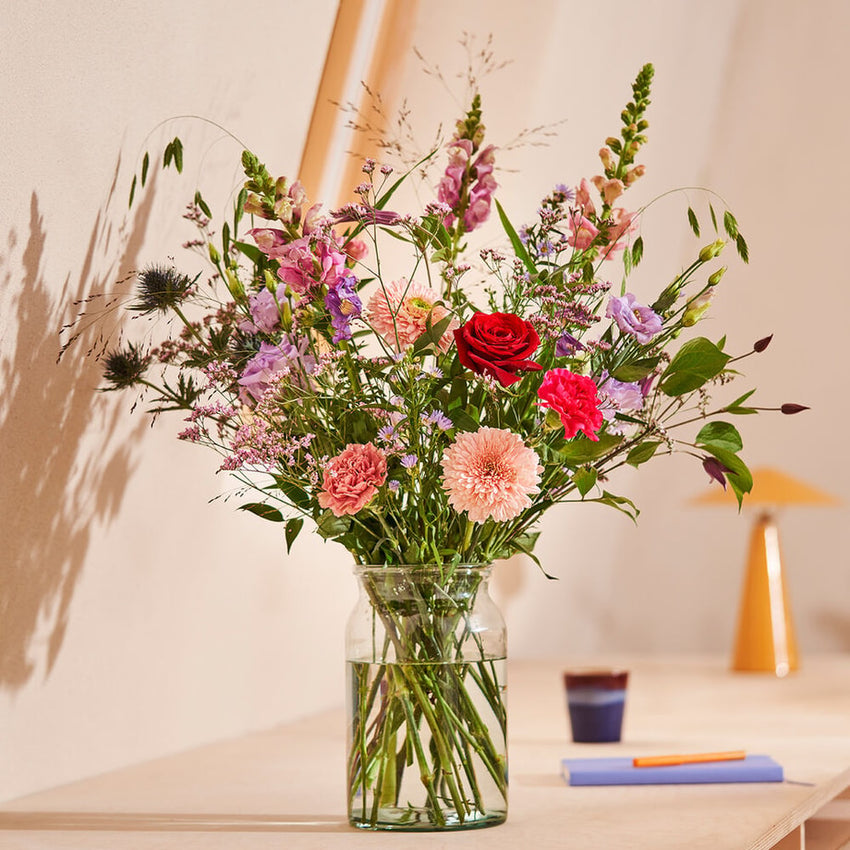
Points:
(271, 281)
(714, 279)
(214, 255)
(711, 251)
(234, 285)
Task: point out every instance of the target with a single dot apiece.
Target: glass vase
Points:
(425, 650)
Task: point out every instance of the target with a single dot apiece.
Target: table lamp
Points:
(765, 638)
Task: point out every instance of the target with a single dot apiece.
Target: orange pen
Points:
(693, 758)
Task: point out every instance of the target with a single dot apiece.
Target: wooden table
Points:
(283, 788)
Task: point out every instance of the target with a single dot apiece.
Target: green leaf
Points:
(736, 407)
(291, 530)
(580, 450)
(637, 251)
(713, 217)
(263, 510)
(737, 474)
(585, 478)
(462, 421)
(296, 495)
(642, 452)
(330, 526)
(433, 334)
(697, 361)
(635, 371)
(692, 220)
(516, 242)
(620, 503)
(178, 154)
(202, 204)
(721, 435)
(252, 252)
(225, 240)
(132, 191)
(519, 544)
(145, 164)
(239, 207)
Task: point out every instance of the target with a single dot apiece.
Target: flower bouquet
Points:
(426, 420)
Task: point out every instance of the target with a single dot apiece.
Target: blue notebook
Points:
(620, 771)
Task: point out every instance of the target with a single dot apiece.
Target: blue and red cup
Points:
(596, 700)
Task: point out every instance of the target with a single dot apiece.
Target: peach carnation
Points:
(351, 479)
(399, 314)
(490, 473)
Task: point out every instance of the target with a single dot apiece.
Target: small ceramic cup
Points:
(596, 699)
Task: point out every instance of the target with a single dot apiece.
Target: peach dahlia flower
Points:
(490, 473)
(399, 314)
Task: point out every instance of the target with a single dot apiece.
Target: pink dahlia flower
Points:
(352, 478)
(490, 473)
(399, 314)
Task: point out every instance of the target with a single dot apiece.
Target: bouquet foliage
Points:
(426, 418)
(405, 420)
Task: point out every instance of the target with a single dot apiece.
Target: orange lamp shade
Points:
(765, 639)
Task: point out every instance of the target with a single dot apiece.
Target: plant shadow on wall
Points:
(63, 474)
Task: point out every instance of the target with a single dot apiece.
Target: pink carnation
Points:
(575, 399)
(352, 478)
(399, 314)
(490, 473)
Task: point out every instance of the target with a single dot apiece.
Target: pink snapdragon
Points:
(306, 263)
(584, 231)
(478, 173)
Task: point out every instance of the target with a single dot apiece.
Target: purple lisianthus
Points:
(344, 305)
(265, 312)
(633, 318)
(618, 395)
(270, 360)
(567, 345)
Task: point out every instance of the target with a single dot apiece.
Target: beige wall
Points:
(137, 619)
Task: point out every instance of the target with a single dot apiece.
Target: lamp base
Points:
(765, 639)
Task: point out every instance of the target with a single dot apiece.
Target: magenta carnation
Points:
(574, 398)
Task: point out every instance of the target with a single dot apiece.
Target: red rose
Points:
(575, 399)
(498, 344)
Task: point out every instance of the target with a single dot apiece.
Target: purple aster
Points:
(344, 305)
(408, 461)
(387, 433)
(439, 419)
(633, 318)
